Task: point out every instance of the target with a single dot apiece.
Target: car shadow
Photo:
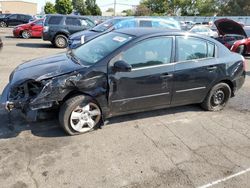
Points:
(34, 45)
(13, 125)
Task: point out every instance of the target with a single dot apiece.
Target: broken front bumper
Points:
(4, 99)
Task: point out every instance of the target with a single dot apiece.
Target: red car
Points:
(233, 36)
(32, 29)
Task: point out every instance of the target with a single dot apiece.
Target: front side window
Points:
(100, 47)
(189, 48)
(155, 51)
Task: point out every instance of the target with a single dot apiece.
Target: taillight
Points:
(244, 64)
(45, 29)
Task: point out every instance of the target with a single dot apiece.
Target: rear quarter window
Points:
(54, 20)
(194, 48)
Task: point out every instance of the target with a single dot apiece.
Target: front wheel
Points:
(217, 98)
(79, 115)
(26, 34)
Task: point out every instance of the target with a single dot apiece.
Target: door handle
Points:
(166, 75)
(211, 67)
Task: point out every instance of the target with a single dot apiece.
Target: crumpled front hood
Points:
(43, 68)
(227, 26)
(86, 33)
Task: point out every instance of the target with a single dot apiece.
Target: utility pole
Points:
(114, 7)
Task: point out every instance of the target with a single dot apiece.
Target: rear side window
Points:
(55, 20)
(145, 23)
(189, 48)
(73, 21)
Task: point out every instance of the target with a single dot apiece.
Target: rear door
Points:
(73, 24)
(149, 84)
(196, 69)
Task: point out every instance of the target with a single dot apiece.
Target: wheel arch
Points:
(229, 83)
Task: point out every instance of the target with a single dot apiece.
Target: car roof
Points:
(141, 31)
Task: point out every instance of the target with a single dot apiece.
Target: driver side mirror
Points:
(122, 66)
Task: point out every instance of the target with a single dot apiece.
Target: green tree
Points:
(110, 10)
(128, 12)
(80, 7)
(49, 8)
(142, 10)
(92, 7)
(63, 6)
(158, 7)
(234, 8)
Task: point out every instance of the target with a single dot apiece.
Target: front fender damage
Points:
(33, 95)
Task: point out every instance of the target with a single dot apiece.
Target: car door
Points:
(196, 69)
(149, 84)
(12, 20)
(73, 24)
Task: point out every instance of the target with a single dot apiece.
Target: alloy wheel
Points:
(83, 119)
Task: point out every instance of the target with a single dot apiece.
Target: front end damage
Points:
(33, 95)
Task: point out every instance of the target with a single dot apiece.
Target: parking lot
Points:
(176, 147)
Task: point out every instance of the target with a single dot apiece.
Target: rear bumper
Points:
(239, 81)
(16, 33)
(46, 36)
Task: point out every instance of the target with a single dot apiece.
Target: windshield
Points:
(100, 47)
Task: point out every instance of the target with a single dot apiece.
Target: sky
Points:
(103, 4)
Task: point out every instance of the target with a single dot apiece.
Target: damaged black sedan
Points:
(126, 71)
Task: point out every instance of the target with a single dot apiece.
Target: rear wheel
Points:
(79, 115)
(241, 49)
(3, 24)
(26, 34)
(217, 98)
(61, 41)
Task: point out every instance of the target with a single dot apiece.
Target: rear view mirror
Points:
(122, 66)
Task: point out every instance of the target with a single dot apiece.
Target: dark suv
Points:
(14, 19)
(57, 28)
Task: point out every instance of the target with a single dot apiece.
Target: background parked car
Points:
(79, 38)
(14, 19)
(229, 32)
(204, 30)
(32, 29)
(57, 28)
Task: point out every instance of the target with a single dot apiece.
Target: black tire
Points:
(3, 24)
(241, 49)
(60, 41)
(69, 107)
(25, 34)
(217, 98)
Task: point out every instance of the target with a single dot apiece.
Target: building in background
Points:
(18, 6)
